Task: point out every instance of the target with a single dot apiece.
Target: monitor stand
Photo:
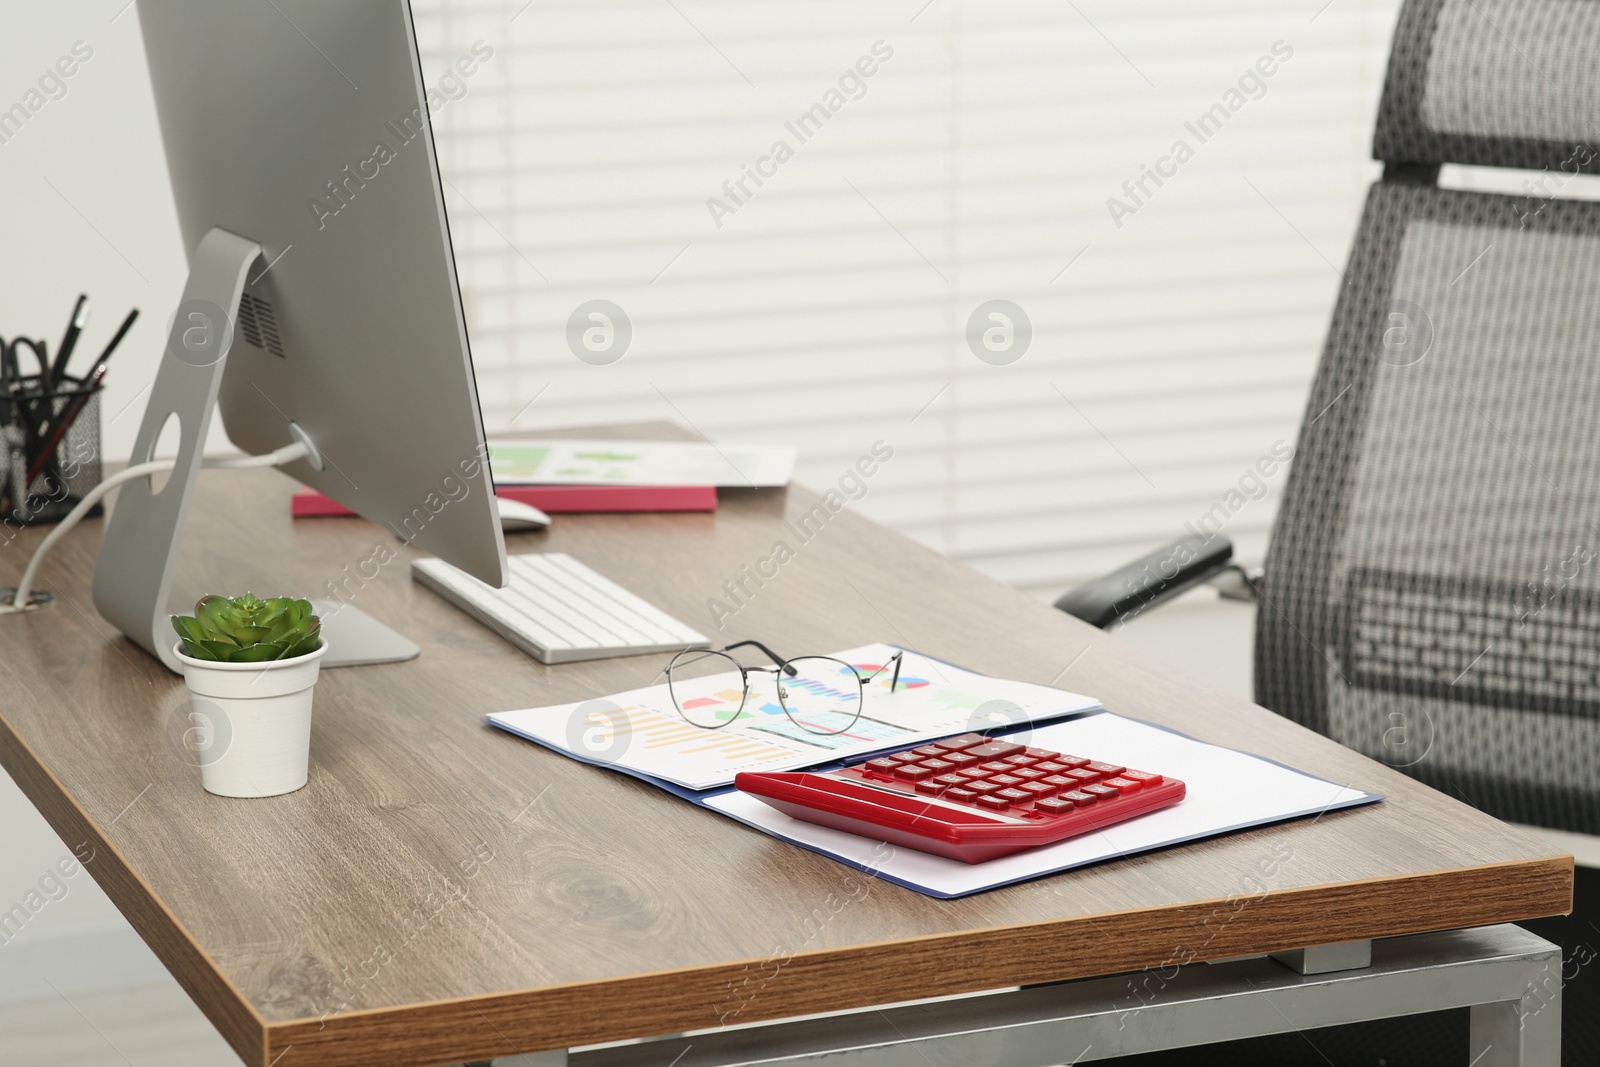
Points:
(133, 575)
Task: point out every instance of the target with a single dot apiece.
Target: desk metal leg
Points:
(1520, 1033)
(1507, 976)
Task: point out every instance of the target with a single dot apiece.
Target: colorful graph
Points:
(676, 737)
(863, 733)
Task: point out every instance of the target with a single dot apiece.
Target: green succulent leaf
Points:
(248, 629)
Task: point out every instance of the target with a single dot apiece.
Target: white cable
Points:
(19, 602)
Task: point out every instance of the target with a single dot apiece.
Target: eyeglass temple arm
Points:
(773, 656)
(894, 680)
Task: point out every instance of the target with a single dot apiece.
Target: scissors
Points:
(41, 356)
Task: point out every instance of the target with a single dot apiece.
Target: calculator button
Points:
(928, 750)
(1053, 805)
(1016, 796)
(1028, 773)
(1107, 768)
(951, 779)
(1022, 759)
(984, 785)
(936, 765)
(996, 750)
(1062, 781)
(1050, 767)
(931, 785)
(1039, 789)
(965, 741)
(1078, 797)
(911, 771)
(974, 773)
(1123, 785)
(996, 766)
(1143, 776)
(966, 796)
(1070, 761)
(1101, 791)
(1007, 779)
(998, 803)
(959, 759)
(1084, 774)
(1041, 753)
(885, 764)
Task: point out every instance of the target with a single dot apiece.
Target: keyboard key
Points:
(1079, 798)
(998, 803)
(1016, 796)
(931, 785)
(928, 751)
(885, 764)
(951, 779)
(959, 759)
(1107, 768)
(996, 750)
(965, 741)
(911, 772)
(1028, 773)
(1053, 805)
(1123, 785)
(1143, 776)
(1101, 791)
(1039, 789)
(966, 796)
(936, 765)
(1007, 779)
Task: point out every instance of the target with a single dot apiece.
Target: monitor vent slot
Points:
(259, 324)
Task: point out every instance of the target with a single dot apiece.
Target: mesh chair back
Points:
(1432, 593)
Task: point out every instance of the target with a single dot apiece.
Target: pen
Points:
(69, 340)
(116, 339)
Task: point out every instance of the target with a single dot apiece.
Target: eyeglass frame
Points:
(784, 666)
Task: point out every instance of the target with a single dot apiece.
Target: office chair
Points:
(1431, 591)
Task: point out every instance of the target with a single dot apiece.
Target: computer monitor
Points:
(322, 302)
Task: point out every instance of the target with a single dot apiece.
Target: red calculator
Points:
(969, 798)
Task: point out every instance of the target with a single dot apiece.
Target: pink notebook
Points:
(557, 499)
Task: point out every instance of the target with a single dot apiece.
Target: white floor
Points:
(153, 1024)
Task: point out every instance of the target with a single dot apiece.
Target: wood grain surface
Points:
(441, 891)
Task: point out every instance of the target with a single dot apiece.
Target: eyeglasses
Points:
(818, 694)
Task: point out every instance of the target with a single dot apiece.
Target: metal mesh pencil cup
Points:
(73, 465)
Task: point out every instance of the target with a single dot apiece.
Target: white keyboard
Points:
(558, 610)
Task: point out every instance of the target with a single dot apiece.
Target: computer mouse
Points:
(517, 517)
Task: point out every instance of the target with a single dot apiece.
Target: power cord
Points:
(19, 597)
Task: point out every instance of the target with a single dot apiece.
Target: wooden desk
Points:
(443, 891)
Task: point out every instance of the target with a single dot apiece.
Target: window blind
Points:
(803, 212)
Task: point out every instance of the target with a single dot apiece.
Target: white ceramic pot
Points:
(252, 722)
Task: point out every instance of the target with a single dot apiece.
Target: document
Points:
(678, 463)
(1226, 790)
(641, 732)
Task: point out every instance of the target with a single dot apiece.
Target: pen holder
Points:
(63, 427)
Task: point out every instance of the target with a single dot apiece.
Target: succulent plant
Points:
(246, 629)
